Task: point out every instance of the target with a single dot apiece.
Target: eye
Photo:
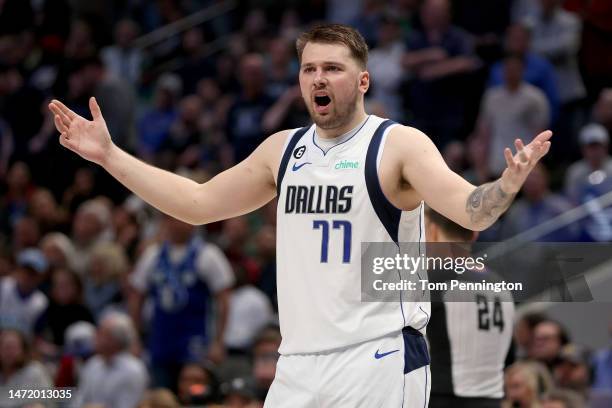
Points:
(333, 68)
(308, 69)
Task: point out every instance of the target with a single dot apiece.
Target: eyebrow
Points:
(310, 64)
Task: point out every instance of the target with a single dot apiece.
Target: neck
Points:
(357, 118)
(513, 87)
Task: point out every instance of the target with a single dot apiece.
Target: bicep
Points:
(243, 188)
(440, 187)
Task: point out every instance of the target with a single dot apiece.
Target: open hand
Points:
(525, 159)
(88, 138)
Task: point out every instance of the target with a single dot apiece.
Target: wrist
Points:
(110, 156)
(507, 187)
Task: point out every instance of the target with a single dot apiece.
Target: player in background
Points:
(348, 178)
(469, 334)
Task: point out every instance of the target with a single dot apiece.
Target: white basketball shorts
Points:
(392, 371)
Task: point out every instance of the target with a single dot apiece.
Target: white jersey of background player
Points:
(369, 368)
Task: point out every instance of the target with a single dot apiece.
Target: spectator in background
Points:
(486, 21)
(156, 122)
(58, 249)
(21, 303)
(556, 37)
(536, 206)
(81, 190)
(184, 276)
(244, 120)
(537, 71)
(281, 68)
(127, 229)
(182, 147)
(385, 66)
(590, 178)
(16, 97)
(602, 367)
(26, 234)
(65, 308)
(367, 21)
(91, 226)
(288, 112)
(195, 63)
(574, 369)
(79, 346)
(240, 393)
(46, 212)
(80, 43)
(159, 398)
(266, 256)
(15, 201)
(549, 337)
(523, 332)
(596, 49)
(197, 384)
(17, 369)
(561, 398)
(525, 382)
(602, 111)
(249, 312)
(113, 377)
(107, 267)
(438, 58)
(265, 359)
(510, 109)
(122, 59)
(594, 142)
(116, 97)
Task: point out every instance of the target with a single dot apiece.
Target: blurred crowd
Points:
(101, 292)
(548, 370)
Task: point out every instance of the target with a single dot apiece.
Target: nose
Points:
(319, 79)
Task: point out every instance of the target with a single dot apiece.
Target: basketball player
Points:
(469, 333)
(348, 178)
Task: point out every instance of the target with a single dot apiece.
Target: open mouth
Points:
(322, 100)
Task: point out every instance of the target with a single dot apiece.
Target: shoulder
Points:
(406, 139)
(533, 93)
(131, 363)
(38, 374)
(568, 19)
(211, 252)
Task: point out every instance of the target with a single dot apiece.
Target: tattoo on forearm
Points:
(487, 203)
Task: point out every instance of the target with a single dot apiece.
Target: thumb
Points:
(96, 113)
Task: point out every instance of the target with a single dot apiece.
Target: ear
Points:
(364, 81)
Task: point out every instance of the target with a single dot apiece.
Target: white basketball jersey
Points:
(328, 204)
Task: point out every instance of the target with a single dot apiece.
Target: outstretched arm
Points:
(475, 208)
(236, 191)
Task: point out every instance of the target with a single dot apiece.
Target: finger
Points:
(543, 137)
(96, 113)
(64, 109)
(59, 124)
(520, 149)
(57, 111)
(509, 159)
(64, 141)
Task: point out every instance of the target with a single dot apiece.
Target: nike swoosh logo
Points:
(378, 355)
(296, 166)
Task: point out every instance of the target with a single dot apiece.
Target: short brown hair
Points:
(449, 227)
(335, 34)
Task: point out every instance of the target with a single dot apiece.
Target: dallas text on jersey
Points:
(318, 199)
